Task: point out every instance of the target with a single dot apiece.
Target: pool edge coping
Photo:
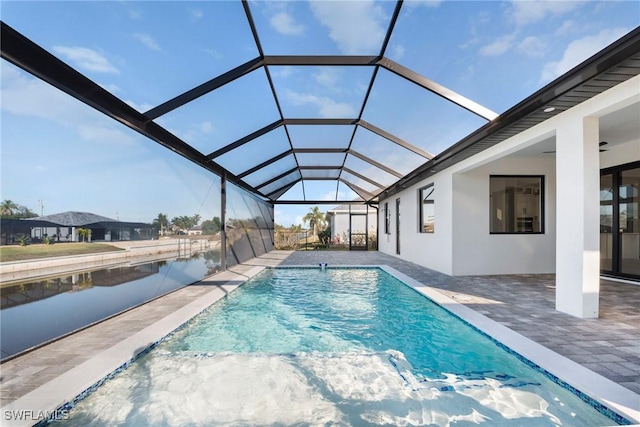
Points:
(612, 395)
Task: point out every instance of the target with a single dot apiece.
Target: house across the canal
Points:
(63, 227)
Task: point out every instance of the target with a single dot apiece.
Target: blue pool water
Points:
(331, 347)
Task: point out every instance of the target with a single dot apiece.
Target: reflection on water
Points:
(25, 293)
(38, 311)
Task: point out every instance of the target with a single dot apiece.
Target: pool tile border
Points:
(617, 402)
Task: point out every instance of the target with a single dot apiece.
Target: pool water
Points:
(331, 347)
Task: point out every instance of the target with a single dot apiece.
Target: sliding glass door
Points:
(620, 221)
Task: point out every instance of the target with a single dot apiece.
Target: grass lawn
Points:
(20, 253)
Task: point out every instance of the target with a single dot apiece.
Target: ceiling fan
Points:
(601, 144)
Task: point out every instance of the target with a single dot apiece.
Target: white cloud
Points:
(26, 96)
(355, 26)
(327, 107)
(530, 12)
(100, 134)
(398, 52)
(328, 77)
(195, 131)
(428, 3)
(498, 47)
(140, 107)
(282, 71)
(111, 88)
(148, 41)
(532, 46)
(214, 53)
(206, 127)
(284, 23)
(85, 58)
(579, 50)
(565, 28)
(470, 43)
(331, 195)
(134, 14)
(196, 13)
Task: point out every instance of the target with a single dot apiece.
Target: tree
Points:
(8, 208)
(315, 218)
(325, 236)
(11, 210)
(25, 212)
(184, 222)
(162, 222)
(85, 233)
(211, 226)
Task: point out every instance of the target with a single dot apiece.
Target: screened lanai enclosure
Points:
(232, 109)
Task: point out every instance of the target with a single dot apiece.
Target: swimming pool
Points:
(335, 346)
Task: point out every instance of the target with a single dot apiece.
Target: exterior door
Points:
(620, 221)
(358, 232)
(398, 226)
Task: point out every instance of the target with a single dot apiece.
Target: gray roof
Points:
(354, 208)
(73, 219)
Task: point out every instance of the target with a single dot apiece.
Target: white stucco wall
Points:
(461, 243)
(432, 250)
(475, 250)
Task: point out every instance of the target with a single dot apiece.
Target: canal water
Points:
(32, 313)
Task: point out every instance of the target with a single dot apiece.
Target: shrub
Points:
(22, 239)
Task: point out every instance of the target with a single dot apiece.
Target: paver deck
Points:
(609, 345)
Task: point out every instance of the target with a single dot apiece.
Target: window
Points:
(427, 209)
(387, 219)
(516, 204)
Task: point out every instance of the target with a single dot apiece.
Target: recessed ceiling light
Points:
(549, 109)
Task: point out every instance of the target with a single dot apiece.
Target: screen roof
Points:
(297, 100)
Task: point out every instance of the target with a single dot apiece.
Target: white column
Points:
(577, 216)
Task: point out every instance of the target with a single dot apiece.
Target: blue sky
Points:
(57, 150)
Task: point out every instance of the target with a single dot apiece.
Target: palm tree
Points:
(162, 222)
(315, 218)
(8, 208)
(85, 233)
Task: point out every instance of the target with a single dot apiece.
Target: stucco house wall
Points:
(461, 243)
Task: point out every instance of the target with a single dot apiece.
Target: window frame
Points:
(542, 205)
(421, 203)
(387, 218)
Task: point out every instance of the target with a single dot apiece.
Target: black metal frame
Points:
(616, 267)
(22, 52)
(543, 195)
(421, 204)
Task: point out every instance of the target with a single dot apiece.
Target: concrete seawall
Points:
(133, 253)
